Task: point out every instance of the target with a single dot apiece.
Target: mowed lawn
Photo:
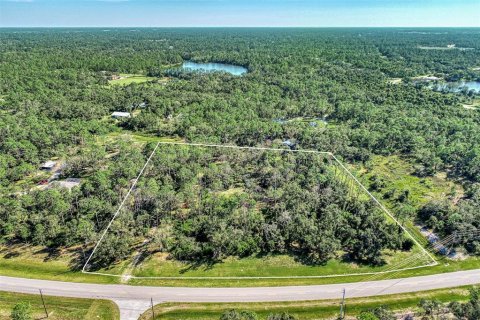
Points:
(34, 262)
(60, 308)
(325, 309)
(158, 264)
(443, 267)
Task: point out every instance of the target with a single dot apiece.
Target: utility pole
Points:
(153, 312)
(342, 306)
(43, 302)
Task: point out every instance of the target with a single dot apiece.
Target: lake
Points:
(457, 86)
(213, 67)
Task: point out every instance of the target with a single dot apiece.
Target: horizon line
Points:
(246, 27)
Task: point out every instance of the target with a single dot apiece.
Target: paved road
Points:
(133, 300)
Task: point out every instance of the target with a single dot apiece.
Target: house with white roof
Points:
(48, 165)
(119, 114)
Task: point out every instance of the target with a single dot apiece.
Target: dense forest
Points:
(320, 89)
(207, 204)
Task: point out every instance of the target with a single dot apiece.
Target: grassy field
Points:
(399, 176)
(60, 308)
(34, 262)
(130, 78)
(326, 309)
(268, 266)
(444, 266)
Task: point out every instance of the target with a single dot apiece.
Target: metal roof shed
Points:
(119, 114)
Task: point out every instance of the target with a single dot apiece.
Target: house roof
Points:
(121, 114)
(49, 164)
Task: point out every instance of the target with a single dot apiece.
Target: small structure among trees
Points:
(120, 114)
(48, 165)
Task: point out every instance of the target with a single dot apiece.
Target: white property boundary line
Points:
(120, 207)
(433, 263)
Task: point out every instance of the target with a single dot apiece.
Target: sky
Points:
(240, 13)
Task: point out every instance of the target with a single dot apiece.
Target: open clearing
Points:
(473, 104)
(395, 81)
(270, 266)
(400, 176)
(60, 308)
(127, 78)
(401, 180)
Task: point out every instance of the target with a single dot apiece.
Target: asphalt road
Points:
(133, 300)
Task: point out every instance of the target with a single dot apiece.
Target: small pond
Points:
(213, 66)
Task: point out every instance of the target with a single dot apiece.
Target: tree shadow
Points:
(78, 261)
(308, 261)
(304, 259)
(204, 264)
(12, 250)
(346, 258)
(52, 253)
(12, 254)
(297, 256)
(144, 255)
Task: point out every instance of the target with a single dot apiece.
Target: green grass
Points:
(131, 78)
(325, 309)
(443, 267)
(399, 176)
(34, 262)
(274, 265)
(60, 308)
